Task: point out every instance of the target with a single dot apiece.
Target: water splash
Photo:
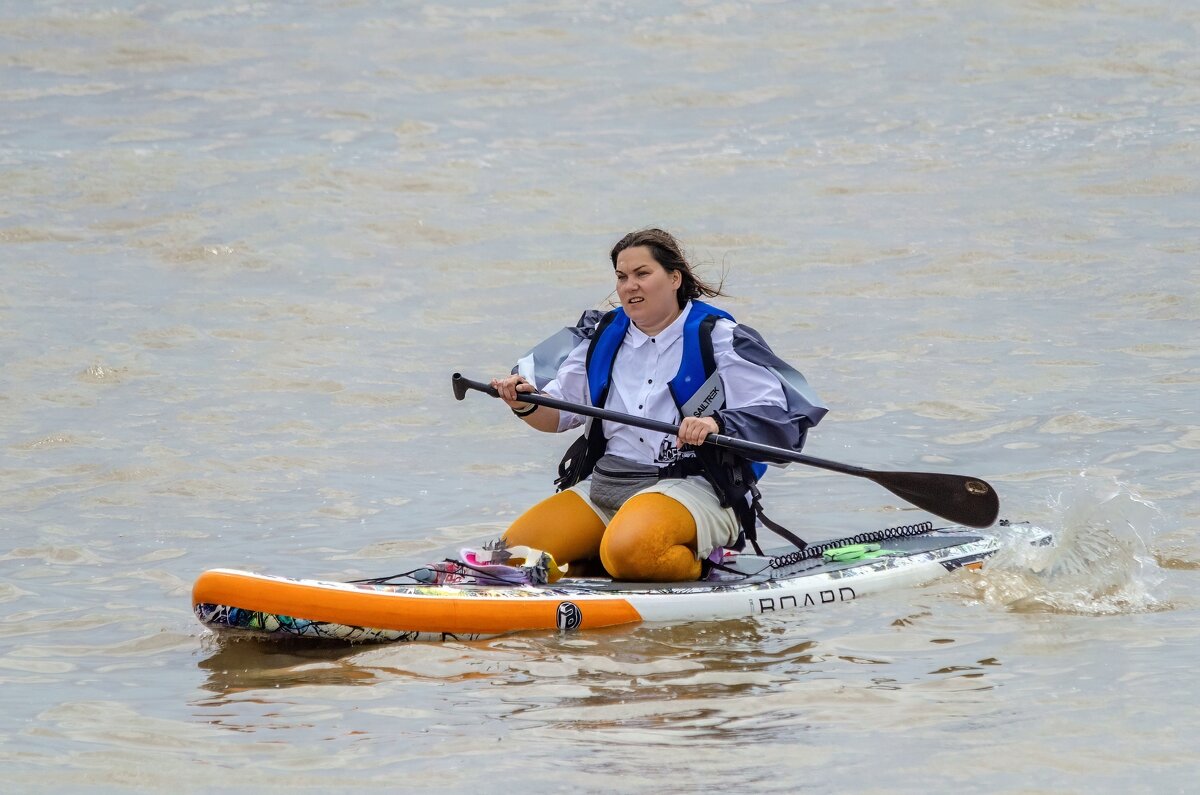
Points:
(1099, 563)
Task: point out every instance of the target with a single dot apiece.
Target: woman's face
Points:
(647, 289)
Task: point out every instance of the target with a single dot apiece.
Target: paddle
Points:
(962, 500)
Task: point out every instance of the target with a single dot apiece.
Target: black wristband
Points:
(525, 412)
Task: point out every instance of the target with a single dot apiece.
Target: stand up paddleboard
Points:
(239, 603)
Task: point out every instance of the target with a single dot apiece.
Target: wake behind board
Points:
(239, 603)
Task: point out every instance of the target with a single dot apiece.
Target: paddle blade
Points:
(962, 500)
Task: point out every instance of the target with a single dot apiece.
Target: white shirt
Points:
(641, 374)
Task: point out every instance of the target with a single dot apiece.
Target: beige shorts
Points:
(715, 526)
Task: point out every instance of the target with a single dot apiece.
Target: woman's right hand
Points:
(510, 387)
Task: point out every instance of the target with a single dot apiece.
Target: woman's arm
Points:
(542, 418)
(759, 406)
(570, 383)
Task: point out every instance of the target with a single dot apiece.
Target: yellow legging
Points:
(652, 538)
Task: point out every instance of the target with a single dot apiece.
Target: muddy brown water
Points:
(244, 246)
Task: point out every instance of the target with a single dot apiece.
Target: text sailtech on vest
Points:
(704, 404)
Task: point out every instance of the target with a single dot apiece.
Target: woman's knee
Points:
(652, 537)
(563, 525)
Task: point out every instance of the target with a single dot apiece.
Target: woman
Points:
(652, 507)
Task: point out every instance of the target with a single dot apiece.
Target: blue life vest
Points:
(696, 366)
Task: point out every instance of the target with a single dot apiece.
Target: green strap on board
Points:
(855, 552)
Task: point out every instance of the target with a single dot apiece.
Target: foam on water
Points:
(1098, 564)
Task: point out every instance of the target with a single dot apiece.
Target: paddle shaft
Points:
(968, 501)
(754, 449)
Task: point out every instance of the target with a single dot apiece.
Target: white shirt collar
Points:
(637, 338)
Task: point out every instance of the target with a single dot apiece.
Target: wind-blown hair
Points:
(667, 252)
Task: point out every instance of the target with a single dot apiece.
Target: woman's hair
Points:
(666, 252)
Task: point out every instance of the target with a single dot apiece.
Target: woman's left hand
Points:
(694, 430)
